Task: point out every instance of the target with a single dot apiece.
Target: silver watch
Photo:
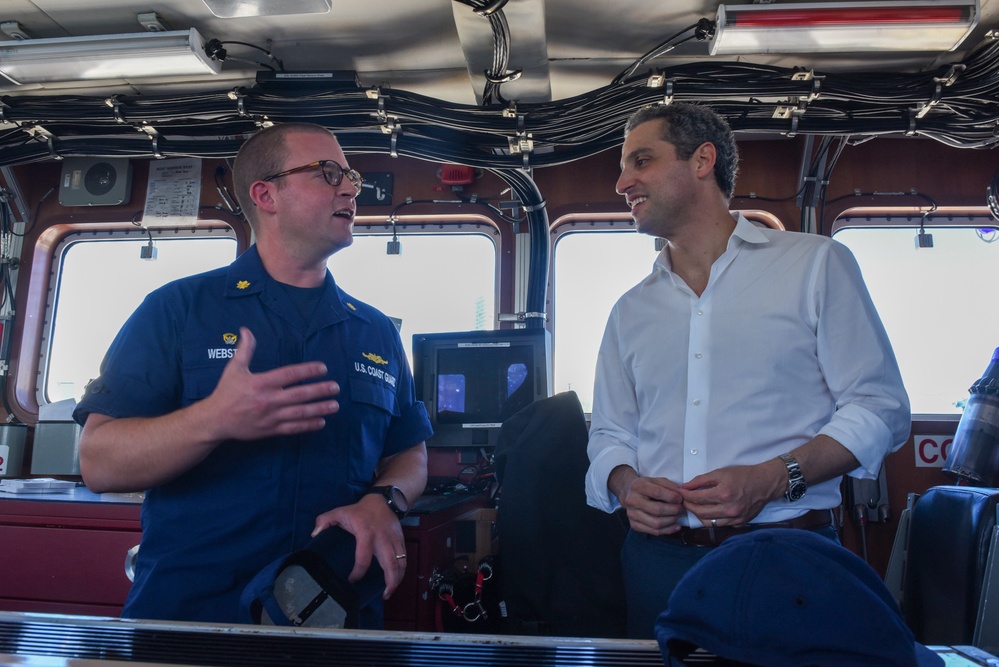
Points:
(796, 486)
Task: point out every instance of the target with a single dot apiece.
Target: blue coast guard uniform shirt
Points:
(206, 533)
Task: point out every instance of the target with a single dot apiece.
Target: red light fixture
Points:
(809, 27)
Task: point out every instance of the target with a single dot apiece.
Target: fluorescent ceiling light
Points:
(228, 9)
(131, 56)
(813, 27)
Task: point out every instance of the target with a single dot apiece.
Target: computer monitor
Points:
(472, 381)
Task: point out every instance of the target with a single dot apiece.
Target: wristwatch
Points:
(796, 486)
(395, 498)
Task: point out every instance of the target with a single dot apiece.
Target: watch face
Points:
(399, 499)
(796, 492)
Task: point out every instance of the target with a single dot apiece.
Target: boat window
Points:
(98, 281)
(592, 269)
(595, 261)
(936, 302)
(444, 277)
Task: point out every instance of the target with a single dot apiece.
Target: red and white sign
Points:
(932, 450)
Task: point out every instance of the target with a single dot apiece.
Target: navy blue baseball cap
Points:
(783, 597)
(310, 588)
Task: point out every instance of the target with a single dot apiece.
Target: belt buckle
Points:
(690, 537)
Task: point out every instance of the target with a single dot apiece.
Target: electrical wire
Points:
(954, 104)
(216, 51)
(231, 202)
(394, 213)
(6, 228)
(992, 195)
(500, 71)
(824, 184)
(704, 29)
(527, 191)
(6, 298)
(38, 207)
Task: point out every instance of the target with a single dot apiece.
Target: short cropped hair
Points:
(264, 155)
(687, 126)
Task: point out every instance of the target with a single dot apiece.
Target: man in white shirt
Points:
(740, 380)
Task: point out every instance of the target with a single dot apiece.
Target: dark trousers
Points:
(652, 567)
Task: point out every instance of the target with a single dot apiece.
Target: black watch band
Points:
(395, 498)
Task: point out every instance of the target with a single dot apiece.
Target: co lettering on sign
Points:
(932, 450)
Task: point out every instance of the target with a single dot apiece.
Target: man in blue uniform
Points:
(258, 404)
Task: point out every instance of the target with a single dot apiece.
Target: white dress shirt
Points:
(783, 344)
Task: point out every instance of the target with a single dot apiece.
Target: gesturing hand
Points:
(281, 401)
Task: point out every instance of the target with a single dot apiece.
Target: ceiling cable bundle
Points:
(954, 104)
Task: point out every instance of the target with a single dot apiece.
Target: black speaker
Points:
(95, 181)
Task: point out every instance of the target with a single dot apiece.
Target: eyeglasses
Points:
(332, 172)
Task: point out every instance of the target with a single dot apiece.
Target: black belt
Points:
(710, 536)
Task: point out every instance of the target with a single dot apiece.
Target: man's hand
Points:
(282, 401)
(135, 453)
(652, 504)
(735, 495)
(378, 534)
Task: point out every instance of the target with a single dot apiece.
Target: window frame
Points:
(462, 223)
(619, 222)
(910, 217)
(33, 329)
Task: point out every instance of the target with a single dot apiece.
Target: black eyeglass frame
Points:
(334, 179)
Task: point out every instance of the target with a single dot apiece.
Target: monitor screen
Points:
(473, 381)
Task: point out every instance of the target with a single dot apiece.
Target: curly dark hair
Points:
(687, 126)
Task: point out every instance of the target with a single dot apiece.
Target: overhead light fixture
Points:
(229, 9)
(129, 56)
(813, 27)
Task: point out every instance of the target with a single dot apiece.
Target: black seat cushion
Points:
(949, 536)
(560, 558)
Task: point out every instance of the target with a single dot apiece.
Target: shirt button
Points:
(698, 355)
(693, 451)
(697, 402)
(700, 312)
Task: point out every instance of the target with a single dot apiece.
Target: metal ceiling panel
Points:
(438, 48)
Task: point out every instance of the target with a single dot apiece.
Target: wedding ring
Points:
(400, 556)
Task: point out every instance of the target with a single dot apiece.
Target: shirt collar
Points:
(246, 275)
(745, 232)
